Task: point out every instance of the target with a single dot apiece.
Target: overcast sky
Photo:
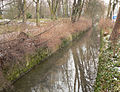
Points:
(106, 1)
(117, 8)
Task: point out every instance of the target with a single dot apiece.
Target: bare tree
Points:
(53, 5)
(24, 11)
(115, 33)
(1, 8)
(40, 10)
(37, 12)
(0, 13)
(77, 10)
(65, 8)
(94, 10)
(114, 5)
(109, 8)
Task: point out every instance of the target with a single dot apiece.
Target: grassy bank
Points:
(40, 55)
(108, 77)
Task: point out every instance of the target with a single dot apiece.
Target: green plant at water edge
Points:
(64, 42)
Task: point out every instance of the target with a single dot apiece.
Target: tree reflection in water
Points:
(74, 72)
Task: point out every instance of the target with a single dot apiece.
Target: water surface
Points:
(72, 69)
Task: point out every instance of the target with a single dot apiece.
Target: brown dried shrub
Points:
(106, 25)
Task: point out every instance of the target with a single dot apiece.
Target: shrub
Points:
(105, 23)
(29, 16)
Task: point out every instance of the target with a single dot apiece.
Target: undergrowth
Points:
(108, 77)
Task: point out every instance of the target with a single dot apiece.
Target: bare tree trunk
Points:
(2, 4)
(66, 8)
(53, 5)
(20, 8)
(37, 12)
(59, 12)
(70, 9)
(116, 28)
(109, 9)
(24, 11)
(80, 11)
(40, 10)
(63, 8)
(114, 5)
(115, 33)
(77, 9)
(73, 11)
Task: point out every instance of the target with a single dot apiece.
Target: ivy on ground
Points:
(108, 77)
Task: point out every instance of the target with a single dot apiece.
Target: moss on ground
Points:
(66, 41)
(31, 61)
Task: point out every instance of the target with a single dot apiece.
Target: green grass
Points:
(34, 20)
(19, 27)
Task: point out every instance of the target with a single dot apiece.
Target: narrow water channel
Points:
(72, 69)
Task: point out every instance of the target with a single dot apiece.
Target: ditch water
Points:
(72, 69)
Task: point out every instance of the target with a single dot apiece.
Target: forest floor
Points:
(17, 45)
(108, 77)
